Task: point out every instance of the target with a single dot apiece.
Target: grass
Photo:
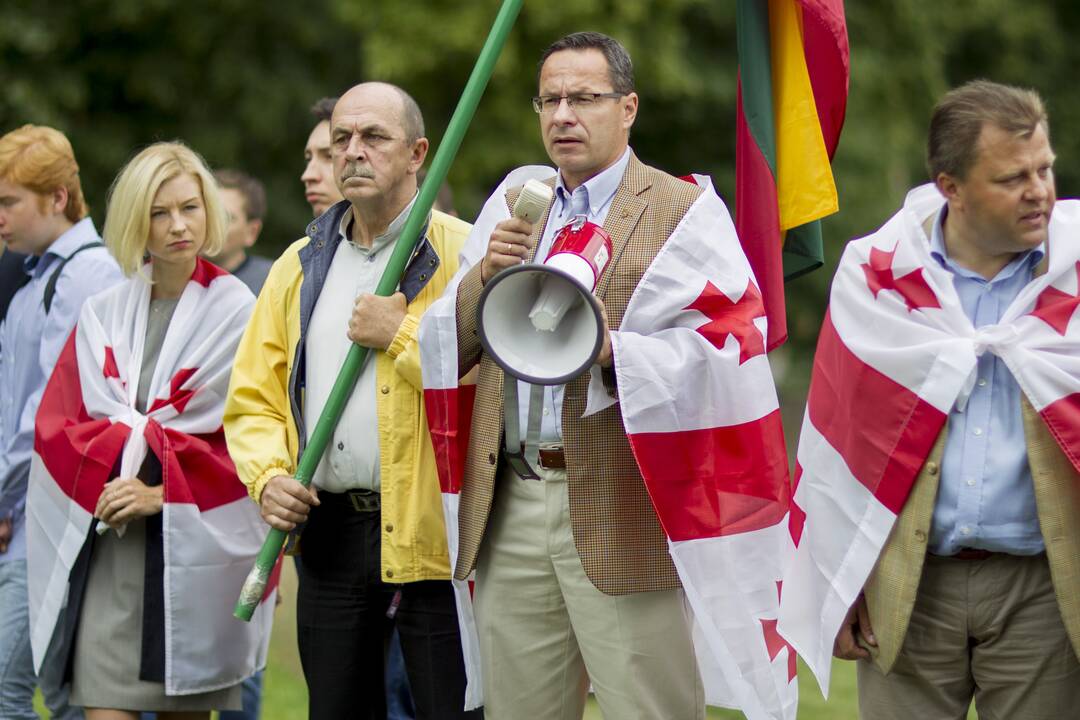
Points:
(285, 694)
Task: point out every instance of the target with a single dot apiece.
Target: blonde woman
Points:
(137, 514)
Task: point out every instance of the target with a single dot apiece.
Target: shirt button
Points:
(920, 536)
(385, 389)
(977, 432)
(931, 468)
(965, 530)
(390, 527)
(982, 382)
(546, 411)
(971, 482)
(389, 573)
(491, 458)
(341, 446)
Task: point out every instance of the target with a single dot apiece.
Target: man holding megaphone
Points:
(558, 514)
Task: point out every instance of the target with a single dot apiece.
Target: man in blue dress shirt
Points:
(993, 617)
(42, 215)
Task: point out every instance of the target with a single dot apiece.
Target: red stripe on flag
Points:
(206, 272)
(881, 429)
(449, 414)
(1062, 417)
(825, 47)
(757, 221)
(716, 481)
(195, 469)
(78, 452)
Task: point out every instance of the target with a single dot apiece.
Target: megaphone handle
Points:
(523, 460)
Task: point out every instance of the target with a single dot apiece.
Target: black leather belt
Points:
(361, 501)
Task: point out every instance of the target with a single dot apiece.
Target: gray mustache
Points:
(352, 171)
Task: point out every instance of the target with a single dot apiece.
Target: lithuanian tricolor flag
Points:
(793, 83)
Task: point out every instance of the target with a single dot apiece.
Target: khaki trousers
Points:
(546, 632)
(984, 629)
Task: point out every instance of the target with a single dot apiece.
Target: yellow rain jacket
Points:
(264, 425)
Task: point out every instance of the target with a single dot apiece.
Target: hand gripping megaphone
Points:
(540, 322)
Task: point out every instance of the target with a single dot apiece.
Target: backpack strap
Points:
(50, 286)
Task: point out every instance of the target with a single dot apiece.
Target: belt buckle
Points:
(550, 448)
(364, 501)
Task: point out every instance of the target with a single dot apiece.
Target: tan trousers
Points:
(546, 631)
(988, 629)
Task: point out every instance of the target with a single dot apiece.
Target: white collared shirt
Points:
(351, 460)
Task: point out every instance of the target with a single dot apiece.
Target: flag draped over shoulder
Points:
(793, 82)
(895, 355)
(701, 412)
(449, 406)
(702, 416)
(87, 421)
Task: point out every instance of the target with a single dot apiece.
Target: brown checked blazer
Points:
(893, 585)
(622, 546)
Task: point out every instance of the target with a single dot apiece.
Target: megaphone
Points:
(541, 323)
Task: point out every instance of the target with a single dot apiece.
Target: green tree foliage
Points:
(234, 78)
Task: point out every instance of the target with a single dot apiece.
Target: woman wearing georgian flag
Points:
(140, 533)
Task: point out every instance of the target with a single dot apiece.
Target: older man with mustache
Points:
(373, 550)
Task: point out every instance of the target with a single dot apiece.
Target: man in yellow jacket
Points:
(373, 544)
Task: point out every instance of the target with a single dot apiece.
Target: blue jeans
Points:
(252, 691)
(17, 678)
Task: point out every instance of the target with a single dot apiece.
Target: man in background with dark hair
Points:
(320, 190)
(245, 202)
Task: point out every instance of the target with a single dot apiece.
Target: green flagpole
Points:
(255, 585)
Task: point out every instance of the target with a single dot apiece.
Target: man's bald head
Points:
(377, 145)
(408, 112)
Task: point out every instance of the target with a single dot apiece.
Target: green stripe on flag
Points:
(755, 71)
(803, 250)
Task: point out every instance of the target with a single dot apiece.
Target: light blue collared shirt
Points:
(592, 199)
(986, 498)
(30, 343)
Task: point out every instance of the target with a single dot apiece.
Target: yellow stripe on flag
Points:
(805, 188)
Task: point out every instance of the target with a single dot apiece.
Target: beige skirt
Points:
(108, 640)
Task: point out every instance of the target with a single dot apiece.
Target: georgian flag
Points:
(211, 530)
(895, 355)
(700, 408)
(449, 408)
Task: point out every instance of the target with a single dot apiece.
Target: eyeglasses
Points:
(545, 104)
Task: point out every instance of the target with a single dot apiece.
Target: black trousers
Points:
(343, 625)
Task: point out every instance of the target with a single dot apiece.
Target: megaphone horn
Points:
(541, 323)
